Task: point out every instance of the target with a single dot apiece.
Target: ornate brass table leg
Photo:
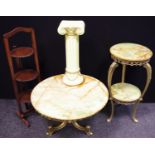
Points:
(52, 129)
(134, 109)
(149, 75)
(112, 68)
(86, 129)
(112, 112)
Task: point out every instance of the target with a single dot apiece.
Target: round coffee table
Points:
(69, 104)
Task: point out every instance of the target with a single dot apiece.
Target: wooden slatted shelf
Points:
(26, 75)
(22, 52)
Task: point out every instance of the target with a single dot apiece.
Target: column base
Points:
(73, 79)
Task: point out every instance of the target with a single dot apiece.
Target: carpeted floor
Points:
(121, 126)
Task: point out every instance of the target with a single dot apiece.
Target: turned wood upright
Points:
(21, 76)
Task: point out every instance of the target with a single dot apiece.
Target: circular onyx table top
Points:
(55, 100)
(125, 92)
(131, 52)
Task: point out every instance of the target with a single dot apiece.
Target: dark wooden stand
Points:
(22, 76)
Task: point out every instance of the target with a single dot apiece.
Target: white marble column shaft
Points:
(72, 53)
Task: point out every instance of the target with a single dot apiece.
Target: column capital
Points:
(70, 27)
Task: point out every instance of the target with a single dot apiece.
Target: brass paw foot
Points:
(109, 120)
(52, 129)
(86, 129)
(135, 120)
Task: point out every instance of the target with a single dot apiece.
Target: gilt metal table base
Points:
(112, 68)
(52, 129)
(133, 112)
